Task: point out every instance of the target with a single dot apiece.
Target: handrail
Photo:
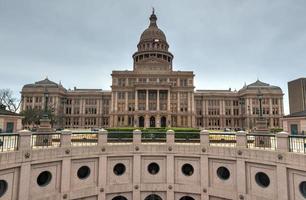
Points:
(280, 141)
(9, 142)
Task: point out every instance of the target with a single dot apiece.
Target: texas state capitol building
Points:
(155, 95)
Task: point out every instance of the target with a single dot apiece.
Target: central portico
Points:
(152, 95)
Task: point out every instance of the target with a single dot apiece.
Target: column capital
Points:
(66, 132)
(137, 132)
(241, 139)
(137, 137)
(204, 132)
(170, 137)
(102, 137)
(282, 134)
(204, 138)
(66, 138)
(170, 132)
(282, 141)
(24, 132)
(241, 133)
(102, 131)
(24, 140)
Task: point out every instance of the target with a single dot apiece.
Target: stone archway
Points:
(152, 122)
(186, 198)
(163, 122)
(119, 198)
(153, 197)
(141, 121)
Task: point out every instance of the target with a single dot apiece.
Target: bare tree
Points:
(7, 99)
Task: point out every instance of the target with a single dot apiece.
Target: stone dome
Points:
(153, 33)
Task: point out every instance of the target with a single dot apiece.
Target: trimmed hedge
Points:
(148, 130)
(276, 130)
(127, 132)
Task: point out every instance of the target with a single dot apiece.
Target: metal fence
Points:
(261, 141)
(45, 140)
(153, 137)
(9, 142)
(84, 138)
(223, 139)
(187, 137)
(297, 143)
(119, 136)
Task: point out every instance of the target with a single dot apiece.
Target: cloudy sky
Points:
(225, 42)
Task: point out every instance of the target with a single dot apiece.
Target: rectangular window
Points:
(183, 82)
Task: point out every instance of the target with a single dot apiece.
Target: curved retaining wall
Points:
(199, 171)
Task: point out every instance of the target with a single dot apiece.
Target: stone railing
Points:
(106, 165)
(28, 140)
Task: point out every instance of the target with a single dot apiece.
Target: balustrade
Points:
(28, 140)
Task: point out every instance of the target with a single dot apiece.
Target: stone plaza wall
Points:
(135, 170)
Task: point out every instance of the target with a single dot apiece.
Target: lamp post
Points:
(45, 123)
(46, 95)
(242, 111)
(261, 124)
(260, 97)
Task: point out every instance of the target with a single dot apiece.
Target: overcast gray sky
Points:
(225, 42)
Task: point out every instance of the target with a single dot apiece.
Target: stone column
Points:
(240, 177)
(136, 100)
(282, 141)
(279, 106)
(188, 102)
(241, 139)
(102, 175)
(147, 100)
(147, 121)
(178, 102)
(157, 100)
(66, 171)
(66, 162)
(102, 137)
(66, 138)
(204, 138)
(136, 137)
(126, 101)
(157, 121)
(170, 176)
(24, 181)
(170, 137)
(136, 176)
(270, 107)
(192, 103)
(116, 101)
(282, 182)
(169, 101)
(24, 142)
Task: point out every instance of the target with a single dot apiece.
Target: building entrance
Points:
(152, 122)
(141, 121)
(163, 122)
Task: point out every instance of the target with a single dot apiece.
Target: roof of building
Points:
(259, 85)
(216, 91)
(298, 79)
(6, 112)
(44, 83)
(297, 114)
(153, 32)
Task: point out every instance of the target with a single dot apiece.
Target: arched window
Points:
(153, 197)
(119, 198)
(186, 198)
